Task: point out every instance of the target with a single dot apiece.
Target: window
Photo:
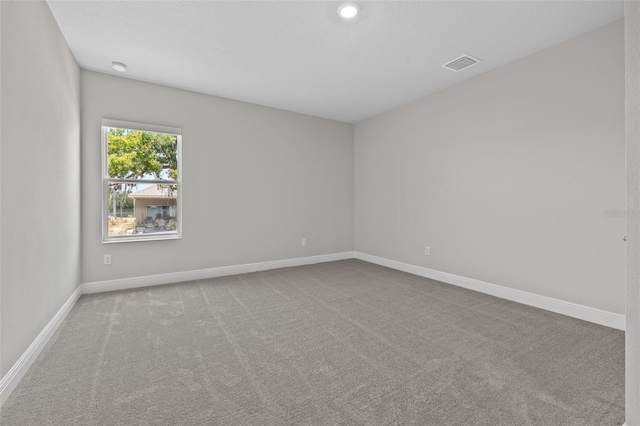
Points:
(141, 182)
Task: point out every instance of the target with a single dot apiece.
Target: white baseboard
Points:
(201, 274)
(19, 369)
(574, 310)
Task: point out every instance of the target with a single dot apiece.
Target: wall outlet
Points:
(427, 251)
(107, 259)
(303, 242)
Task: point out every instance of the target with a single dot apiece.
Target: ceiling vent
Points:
(461, 63)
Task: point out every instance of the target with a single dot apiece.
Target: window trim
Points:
(172, 235)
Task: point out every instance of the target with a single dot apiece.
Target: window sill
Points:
(157, 236)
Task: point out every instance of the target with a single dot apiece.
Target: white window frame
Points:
(170, 235)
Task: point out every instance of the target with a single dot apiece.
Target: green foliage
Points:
(122, 199)
(133, 154)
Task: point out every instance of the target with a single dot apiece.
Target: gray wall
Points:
(632, 73)
(40, 175)
(256, 180)
(507, 176)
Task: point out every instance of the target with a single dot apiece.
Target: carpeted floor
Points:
(340, 343)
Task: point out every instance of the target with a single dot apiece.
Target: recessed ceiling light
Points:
(348, 10)
(119, 66)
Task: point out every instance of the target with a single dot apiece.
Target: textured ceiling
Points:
(300, 56)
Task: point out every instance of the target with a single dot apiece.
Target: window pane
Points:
(120, 208)
(135, 154)
(142, 209)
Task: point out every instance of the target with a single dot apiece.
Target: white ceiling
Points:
(300, 56)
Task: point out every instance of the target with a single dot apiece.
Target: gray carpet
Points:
(340, 343)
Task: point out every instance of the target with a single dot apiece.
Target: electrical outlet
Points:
(303, 242)
(427, 251)
(107, 259)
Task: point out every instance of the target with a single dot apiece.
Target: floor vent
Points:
(463, 62)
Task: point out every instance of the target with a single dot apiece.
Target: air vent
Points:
(463, 62)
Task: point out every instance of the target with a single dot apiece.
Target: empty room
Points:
(320, 213)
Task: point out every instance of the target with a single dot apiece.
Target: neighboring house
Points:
(148, 202)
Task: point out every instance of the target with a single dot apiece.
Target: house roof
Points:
(153, 192)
